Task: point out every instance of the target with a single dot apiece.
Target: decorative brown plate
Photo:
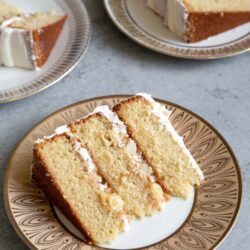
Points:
(214, 208)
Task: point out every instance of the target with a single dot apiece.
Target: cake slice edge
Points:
(163, 116)
(42, 175)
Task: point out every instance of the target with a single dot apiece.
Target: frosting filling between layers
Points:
(126, 223)
(117, 125)
(164, 120)
(83, 152)
(86, 157)
(120, 128)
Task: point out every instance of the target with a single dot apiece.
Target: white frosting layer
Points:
(176, 17)
(158, 109)
(173, 12)
(62, 129)
(83, 152)
(16, 46)
(118, 125)
(132, 149)
(126, 223)
(120, 128)
(87, 158)
(9, 21)
(164, 120)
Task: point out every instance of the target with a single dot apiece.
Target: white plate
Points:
(145, 27)
(19, 83)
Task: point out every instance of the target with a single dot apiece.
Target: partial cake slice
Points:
(148, 124)
(27, 41)
(68, 176)
(119, 162)
(195, 20)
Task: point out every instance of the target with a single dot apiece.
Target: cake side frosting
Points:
(174, 14)
(131, 146)
(27, 40)
(164, 120)
(16, 46)
(176, 17)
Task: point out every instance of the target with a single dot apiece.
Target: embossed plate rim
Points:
(243, 45)
(101, 98)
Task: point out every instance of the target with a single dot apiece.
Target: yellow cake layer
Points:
(7, 11)
(172, 166)
(117, 161)
(217, 5)
(36, 21)
(98, 210)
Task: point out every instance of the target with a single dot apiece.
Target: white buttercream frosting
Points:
(163, 116)
(176, 16)
(9, 21)
(158, 109)
(62, 129)
(83, 152)
(58, 131)
(87, 158)
(147, 171)
(126, 223)
(173, 12)
(120, 128)
(16, 46)
(118, 125)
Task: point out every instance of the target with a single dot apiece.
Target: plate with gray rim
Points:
(18, 83)
(146, 28)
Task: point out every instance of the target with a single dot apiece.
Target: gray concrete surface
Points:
(217, 90)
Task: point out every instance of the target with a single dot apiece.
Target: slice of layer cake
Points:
(119, 162)
(195, 20)
(148, 124)
(26, 41)
(68, 176)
